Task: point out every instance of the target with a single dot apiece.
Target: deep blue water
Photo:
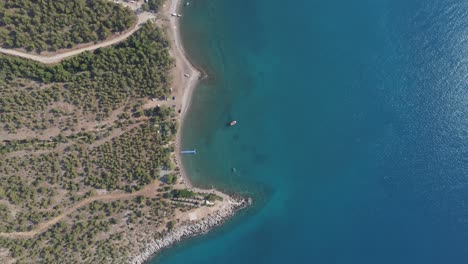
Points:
(352, 132)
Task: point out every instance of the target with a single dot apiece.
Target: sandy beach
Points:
(183, 85)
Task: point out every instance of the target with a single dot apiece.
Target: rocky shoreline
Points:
(153, 246)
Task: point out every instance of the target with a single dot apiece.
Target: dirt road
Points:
(55, 58)
(147, 191)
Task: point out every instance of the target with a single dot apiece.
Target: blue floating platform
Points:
(189, 151)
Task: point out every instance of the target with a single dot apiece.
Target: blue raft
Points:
(189, 151)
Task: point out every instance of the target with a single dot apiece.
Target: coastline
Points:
(183, 90)
(184, 86)
(155, 245)
(181, 223)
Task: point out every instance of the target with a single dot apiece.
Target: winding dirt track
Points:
(147, 191)
(142, 18)
(184, 66)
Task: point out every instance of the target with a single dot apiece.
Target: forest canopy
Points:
(79, 129)
(97, 82)
(152, 5)
(51, 25)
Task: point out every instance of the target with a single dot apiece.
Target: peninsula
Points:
(90, 170)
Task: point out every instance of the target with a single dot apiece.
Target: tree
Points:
(170, 225)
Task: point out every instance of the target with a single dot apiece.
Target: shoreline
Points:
(184, 88)
(184, 78)
(203, 226)
(185, 85)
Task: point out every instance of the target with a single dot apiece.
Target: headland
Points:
(187, 216)
(185, 77)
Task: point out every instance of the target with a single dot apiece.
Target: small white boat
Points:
(179, 15)
(173, 14)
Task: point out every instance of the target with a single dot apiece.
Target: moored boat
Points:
(232, 123)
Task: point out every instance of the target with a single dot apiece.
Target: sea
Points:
(351, 135)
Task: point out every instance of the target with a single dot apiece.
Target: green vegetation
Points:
(170, 178)
(128, 163)
(96, 238)
(184, 193)
(213, 197)
(79, 129)
(76, 129)
(38, 97)
(132, 160)
(51, 25)
(152, 5)
(170, 225)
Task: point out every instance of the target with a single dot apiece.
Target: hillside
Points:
(38, 26)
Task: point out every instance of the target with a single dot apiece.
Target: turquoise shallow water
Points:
(352, 130)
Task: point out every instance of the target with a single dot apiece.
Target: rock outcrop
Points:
(153, 246)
